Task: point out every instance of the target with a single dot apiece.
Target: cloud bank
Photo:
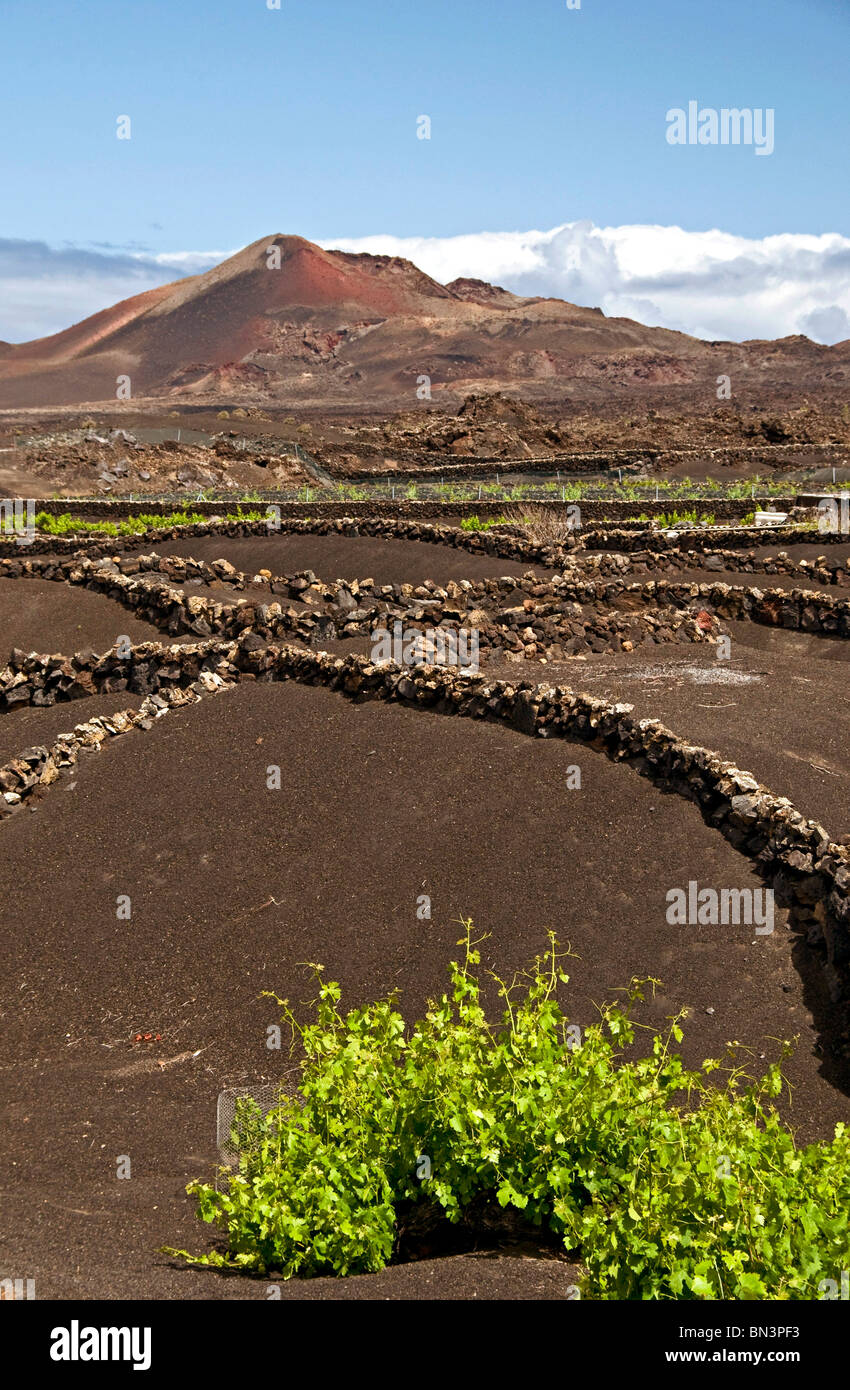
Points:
(711, 284)
(44, 289)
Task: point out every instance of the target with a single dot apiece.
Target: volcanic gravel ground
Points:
(233, 885)
(29, 725)
(348, 557)
(763, 708)
(800, 650)
(779, 708)
(41, 615)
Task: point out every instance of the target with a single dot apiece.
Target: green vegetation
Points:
(668, 1183)
(66, 524)
(474, 523)
(629, 489)
(342, 492)
(642, 489)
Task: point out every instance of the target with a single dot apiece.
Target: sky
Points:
(548, 164)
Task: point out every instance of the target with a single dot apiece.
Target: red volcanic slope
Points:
(284, 320)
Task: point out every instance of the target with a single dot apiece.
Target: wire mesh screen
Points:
(267, 1095)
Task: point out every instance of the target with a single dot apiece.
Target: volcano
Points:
(285, 321)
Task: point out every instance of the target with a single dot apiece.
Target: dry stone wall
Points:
(108, 509)
(808, 872)
(522, 618)
(496, 543)
(825, 569)
(705, 539)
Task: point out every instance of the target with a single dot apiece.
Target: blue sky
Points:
(248, 120)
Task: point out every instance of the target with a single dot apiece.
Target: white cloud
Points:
(188, 262)
(827, 325)
(711, 284)
(44, 289)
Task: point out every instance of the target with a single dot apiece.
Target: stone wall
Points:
(592, 510)
(808, 872)
(701, 540)
(826, 570)
(506, 545)
(548, 621)
(526, 618)
(795, 609)
(150, 668)
(38, 767)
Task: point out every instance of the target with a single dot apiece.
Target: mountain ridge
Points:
(284, 320)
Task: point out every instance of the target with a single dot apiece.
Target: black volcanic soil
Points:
(348, 557)
(779, 707)
(44, 616)
(232, 885)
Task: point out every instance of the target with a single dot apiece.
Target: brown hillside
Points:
(331, 327)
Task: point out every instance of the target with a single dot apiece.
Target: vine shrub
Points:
(66, 524)
(474, 523)
(665, 1182)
